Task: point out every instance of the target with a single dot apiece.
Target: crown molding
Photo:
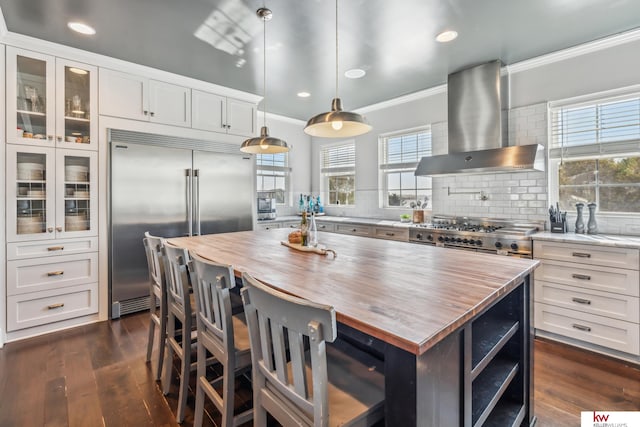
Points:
(402, 99)
(3, 25)
(575, 51)
(31, 43)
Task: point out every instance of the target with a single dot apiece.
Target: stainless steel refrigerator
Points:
(168, 188)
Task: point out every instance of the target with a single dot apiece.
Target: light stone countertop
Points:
(614, 240)
(345, 220)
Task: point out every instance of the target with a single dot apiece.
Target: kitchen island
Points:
(451, 327)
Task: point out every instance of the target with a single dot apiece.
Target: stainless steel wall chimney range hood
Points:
(478, 128)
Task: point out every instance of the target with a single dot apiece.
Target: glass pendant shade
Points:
(337, 123)
(264, 144)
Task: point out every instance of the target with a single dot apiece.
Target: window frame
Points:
(385, 168)
(598, 150)
(338, 170)
(285, 170)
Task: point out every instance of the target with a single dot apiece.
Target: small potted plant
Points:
(405, 218)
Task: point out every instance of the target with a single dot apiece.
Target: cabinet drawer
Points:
(360, 230)
(269, 226)
(611, 333)
(391, 233)
(616, 280)
(21, 250)
(25, 311)
(290, 224)
(40, 274)
(605, 304)
(587, 254)
(326, 226)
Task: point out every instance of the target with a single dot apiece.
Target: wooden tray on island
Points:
(318, 250)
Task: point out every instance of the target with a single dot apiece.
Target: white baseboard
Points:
(1, 338)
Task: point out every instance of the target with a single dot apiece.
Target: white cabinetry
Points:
(218, 113)
(50, 101)
(52, 251)
(590, 294)
(139, 98)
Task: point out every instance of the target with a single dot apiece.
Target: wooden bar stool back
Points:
(314, 383)
(157, 295)
(223, 335)
(178, 309)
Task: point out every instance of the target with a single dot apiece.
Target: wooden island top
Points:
(409, 295)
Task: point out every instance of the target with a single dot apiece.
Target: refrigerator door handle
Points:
(189, 203)
(196, 195)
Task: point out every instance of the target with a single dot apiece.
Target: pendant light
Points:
(264, 144)
(337, 123)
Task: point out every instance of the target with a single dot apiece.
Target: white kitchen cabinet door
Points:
(169, 104)
(208, 111)
(30, 97)
(123, 95)
(241, 117)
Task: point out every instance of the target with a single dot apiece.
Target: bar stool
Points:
(326, 385)
(157, 294)
(223, 335)
(178, 308)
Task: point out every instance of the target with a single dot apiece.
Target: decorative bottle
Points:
(304, 229)
(592, 226)
(319, 205)
(301, 204)
(579, 221)
(313, 231)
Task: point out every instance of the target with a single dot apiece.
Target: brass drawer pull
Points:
(581, 255)
(55, 248)
(55, 273)
(390, 234)
(581, 276)
(354, 229)
(581, 327)
(581, 301)
(323, 226)
(54, 306)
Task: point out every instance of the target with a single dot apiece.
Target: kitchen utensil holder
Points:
(559, 227)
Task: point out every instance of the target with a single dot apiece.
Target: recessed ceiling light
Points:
(447, 36)
(304, 94)
(78, 71)
(354, 73)
(81, 28)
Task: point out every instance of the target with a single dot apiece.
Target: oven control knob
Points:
(419, 236)
(459, 240)
(514, 246)
(498, 245)
(440, 239)
(466, 241)
(446, 239)
(479, 242)
(430, 237)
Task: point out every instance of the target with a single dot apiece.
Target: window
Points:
(338, 169)
(273, 175)
(399, 157)
(593, 154)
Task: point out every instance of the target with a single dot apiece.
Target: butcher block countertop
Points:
(410, 296)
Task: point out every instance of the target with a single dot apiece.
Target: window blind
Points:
(273, 162)
(405, 151)
(338, 158)
(610, 126)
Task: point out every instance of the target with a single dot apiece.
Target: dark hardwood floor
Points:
(96, 375)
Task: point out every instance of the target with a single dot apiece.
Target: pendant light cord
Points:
(264, 72)
(336, 48)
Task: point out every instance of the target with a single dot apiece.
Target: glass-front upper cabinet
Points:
(51, 193)
(50, 101)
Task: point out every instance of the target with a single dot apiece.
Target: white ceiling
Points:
(392, 40)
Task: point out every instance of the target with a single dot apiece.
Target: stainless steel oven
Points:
(500, 237)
